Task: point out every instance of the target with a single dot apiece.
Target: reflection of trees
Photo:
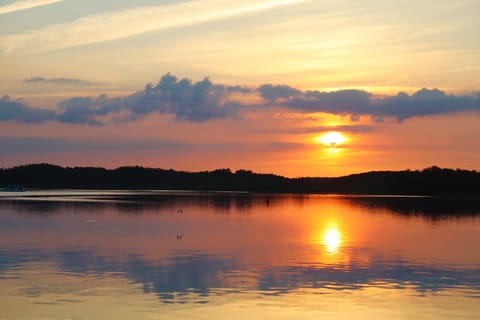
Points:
(139, 203)
(432, 208)
(47, 208)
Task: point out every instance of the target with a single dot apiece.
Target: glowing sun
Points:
(332, 139)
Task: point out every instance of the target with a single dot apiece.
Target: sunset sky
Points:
(204, 84)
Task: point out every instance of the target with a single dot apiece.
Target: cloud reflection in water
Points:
(205, 274)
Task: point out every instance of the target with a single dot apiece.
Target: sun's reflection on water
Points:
(332, 239)
(330, 246)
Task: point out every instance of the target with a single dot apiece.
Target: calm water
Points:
(147, 255)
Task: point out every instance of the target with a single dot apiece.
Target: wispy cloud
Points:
(46, 144)
(354, 128)
(204, 100)
(131, 22)
(25, 4)
(58, 81)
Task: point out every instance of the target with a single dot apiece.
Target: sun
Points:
(332, 139)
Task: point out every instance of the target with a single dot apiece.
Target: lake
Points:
(192, 255)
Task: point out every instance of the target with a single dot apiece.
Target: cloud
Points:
(79, 110)
(273, 93)
(188, 101)
(200, 101)
(58, 81)
(16, 110)
(402, 106)
(204, 100)
(423, 103)
(320, 129)
(131, 22)
(336, 102)
(25, 4)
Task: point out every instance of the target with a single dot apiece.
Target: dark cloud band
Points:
(204, 100)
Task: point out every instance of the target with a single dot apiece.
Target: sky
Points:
(203, 84)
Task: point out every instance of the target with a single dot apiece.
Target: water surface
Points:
(179, 255)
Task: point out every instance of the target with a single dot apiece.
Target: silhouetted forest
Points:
(430, 181)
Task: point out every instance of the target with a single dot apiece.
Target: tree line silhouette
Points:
(429, 181)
